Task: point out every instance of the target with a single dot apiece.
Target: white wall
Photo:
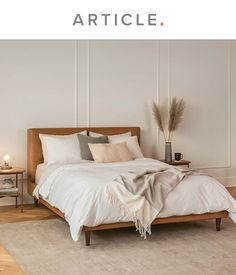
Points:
(112, 83)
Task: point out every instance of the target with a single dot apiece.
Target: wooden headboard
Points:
(35, 155)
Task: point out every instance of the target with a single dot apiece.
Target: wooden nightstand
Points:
(14, 171)
(178, 163)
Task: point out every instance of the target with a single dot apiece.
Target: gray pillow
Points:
(84, 148)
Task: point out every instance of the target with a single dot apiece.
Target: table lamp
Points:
(6, 161)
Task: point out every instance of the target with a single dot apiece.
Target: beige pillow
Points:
(110, 152)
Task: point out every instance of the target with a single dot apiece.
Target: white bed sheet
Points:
(39, 171)
(42, 167)
(78, 191)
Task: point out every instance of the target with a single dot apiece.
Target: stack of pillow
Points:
(95, 147)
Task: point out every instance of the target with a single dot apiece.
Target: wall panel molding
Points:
(87, 92)
(76, 83)
(83, 83)
(88, 84)
(79, 83)
(229, 104)
(169, 73)
(228, 88)
(158, 84)
(228, 164)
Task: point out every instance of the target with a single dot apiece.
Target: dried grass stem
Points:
(176, 111)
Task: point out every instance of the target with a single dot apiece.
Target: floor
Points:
(232, 191)
(10, 214)
(8, 265)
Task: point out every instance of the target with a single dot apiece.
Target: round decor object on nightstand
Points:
(6, 162)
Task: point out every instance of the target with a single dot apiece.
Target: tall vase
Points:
(168, 152)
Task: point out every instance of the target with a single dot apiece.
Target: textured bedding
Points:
(78, 190)
(142, 194)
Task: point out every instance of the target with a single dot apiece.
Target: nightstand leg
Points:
(16, 186)
(22, 191)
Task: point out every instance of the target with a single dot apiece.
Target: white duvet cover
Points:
(78, 191)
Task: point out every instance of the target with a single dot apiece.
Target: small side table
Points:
(178, 163)
(14, 171)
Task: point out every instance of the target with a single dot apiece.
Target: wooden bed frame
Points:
(35, 157)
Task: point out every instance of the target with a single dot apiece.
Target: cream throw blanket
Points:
(141, 195)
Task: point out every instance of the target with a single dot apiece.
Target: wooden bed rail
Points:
(173, 219)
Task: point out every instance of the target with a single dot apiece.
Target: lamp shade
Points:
(6, 161)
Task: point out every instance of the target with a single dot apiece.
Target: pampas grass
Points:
(176, 111)
(158, 118)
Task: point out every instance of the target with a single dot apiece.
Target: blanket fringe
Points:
(143, 230)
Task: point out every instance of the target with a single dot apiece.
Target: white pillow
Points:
(61, 148)
(93, 134)
(132, 143)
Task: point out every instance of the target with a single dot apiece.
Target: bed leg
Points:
(87, 237)
(218, 223)
(36, 202)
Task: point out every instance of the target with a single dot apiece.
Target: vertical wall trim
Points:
(169, 73)
(88, 86)
(229, 103)
(158, 82)
(76, 84)
(169, 86)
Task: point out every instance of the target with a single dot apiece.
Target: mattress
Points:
(78, 191)
(39, 171)
(42, 167)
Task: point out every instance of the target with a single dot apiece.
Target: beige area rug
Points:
(45, 247)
